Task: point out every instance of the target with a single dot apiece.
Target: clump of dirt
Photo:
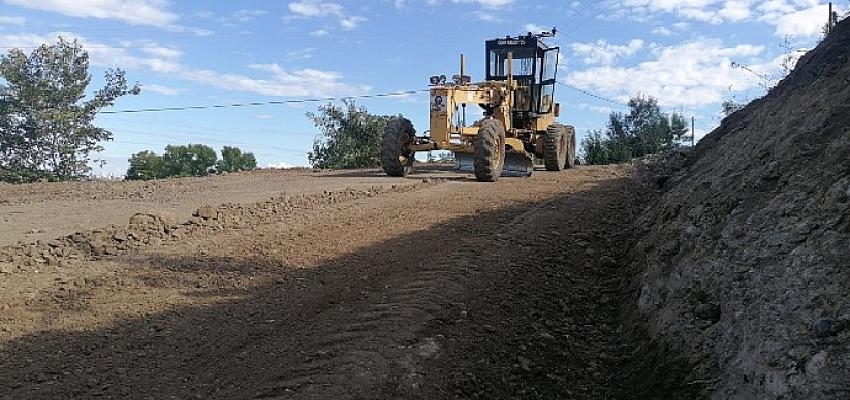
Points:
(159, 227)
(743, 266)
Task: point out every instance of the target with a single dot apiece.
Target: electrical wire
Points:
(265, 103)
(594, 95)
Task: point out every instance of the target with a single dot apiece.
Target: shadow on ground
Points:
(364, 325)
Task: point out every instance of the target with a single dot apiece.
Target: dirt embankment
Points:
(744, 264)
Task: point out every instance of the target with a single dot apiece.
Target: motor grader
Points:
(519, 110)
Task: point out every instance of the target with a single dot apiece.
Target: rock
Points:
(489, 328)
(207, 212)
(708, 312)
(816, 363)
(143, 219)
(607, 262)
(166, 217)
(524, 363)
(824, 327)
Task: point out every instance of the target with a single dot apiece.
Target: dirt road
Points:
(46, 211)
(444, 289)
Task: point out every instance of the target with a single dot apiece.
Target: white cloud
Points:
(486, 16)
(807, 22)
(534, 28)
(163, 90)
(161, 51)
(694, 73)
(662, 31)
(320, 33)
(6, 20)
(248, 15)
(321, 9)
(302, 54)
(487, 3)
(315, 8)
(602, 52)
(278, 81)
(801, 18)
(134, 12)
(352, 22)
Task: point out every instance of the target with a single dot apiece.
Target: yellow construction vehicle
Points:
(518, 124)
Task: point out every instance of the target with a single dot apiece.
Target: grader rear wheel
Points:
(556, 145)
(571, 150)
(396, 159)
(489, 154)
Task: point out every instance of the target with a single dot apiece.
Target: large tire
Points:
(489, 156)
(571, 150)
(555, 147)
(396, 159)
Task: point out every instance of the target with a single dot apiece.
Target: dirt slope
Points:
(744, 266)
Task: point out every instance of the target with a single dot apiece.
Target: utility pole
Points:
(829, 20)
(830, 23)
(693, 132)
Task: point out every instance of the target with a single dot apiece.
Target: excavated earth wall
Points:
(743, 266)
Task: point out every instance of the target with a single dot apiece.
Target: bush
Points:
(350, 137)
(232, 160)
(644, 130)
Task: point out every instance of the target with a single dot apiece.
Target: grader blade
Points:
(516, 165)
(464, 162)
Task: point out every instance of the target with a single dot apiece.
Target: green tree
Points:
(189, 160)
(146, 165)
(46, 126)
(350, 137)
(232, 159)
(644, 130)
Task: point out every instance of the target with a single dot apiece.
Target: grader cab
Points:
(519, 112)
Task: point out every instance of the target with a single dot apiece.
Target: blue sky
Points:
(190, 53)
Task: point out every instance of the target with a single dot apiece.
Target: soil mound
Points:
(744, 264)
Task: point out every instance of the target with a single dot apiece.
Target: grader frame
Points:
(519, 116)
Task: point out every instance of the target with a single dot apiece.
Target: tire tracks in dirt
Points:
(345, 300)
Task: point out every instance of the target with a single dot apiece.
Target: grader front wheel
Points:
(489, 149)
(556, 146)
(396, 159)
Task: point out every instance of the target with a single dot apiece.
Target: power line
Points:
(594, 95)
(265, 103)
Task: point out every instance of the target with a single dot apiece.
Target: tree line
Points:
(188, 160)
(350, 136)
